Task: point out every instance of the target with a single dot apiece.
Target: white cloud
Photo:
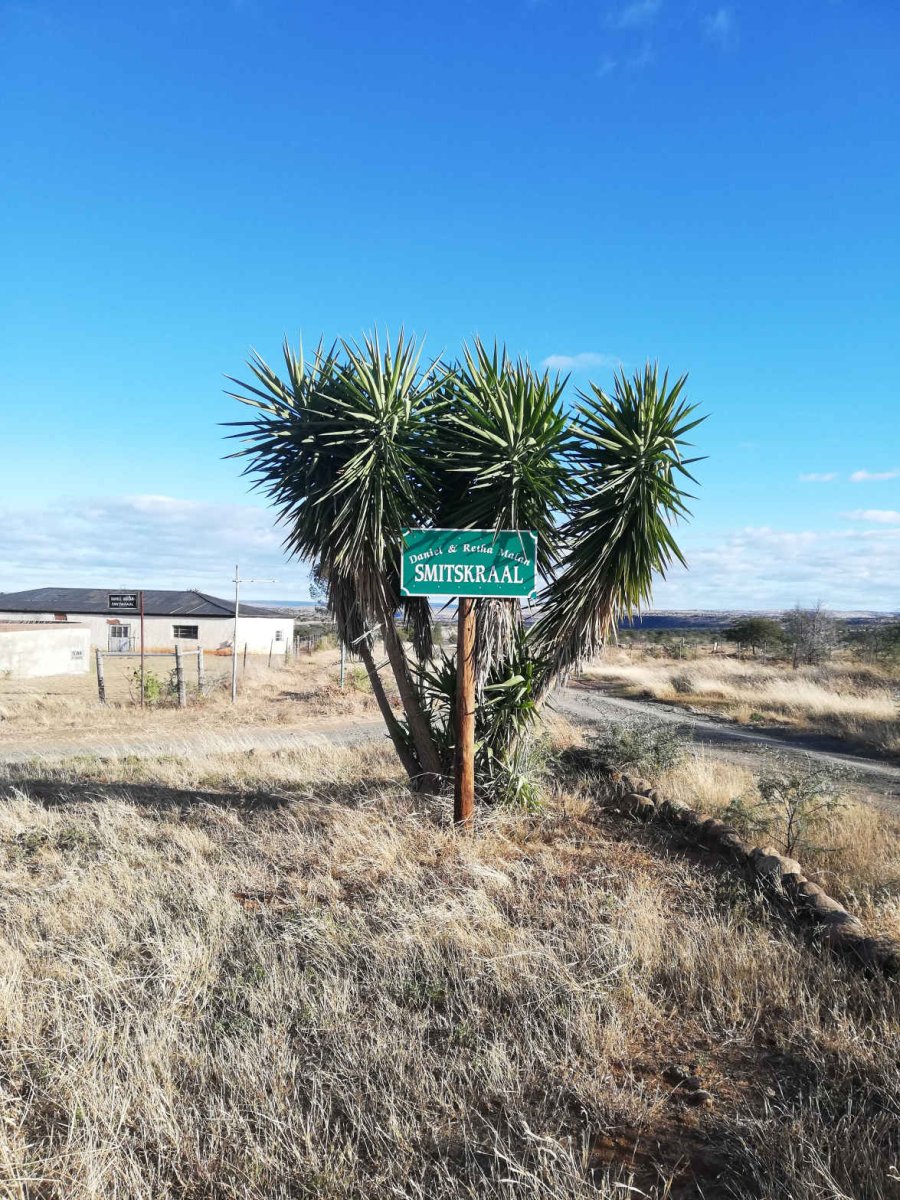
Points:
(149, 541)
(636, 14)
(720, 26)
(880, 516)
(873, 476)
(581, 362)
(766, 568)
(818, 477)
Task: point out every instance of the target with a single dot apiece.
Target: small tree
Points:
(362, 442)
(755, 632)
(811, 632)
(795, 799)
(877, 643)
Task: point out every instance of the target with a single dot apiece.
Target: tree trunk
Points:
(426, 751)
(411, 766)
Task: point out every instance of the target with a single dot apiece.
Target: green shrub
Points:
(153, 686)
(682, 683)
(643, 745)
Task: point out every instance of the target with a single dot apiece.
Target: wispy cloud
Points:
(581, 362)
(818, 477)
(159, 541)
(849, 568)
(880, 516)
(606, 66)
(637, 14)
(873, 476)
(720, 26)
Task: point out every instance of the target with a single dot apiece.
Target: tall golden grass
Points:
(861, 703)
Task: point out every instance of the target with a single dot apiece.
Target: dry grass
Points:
(839, 698)
(303, 691)
(284, 976)
(855, 851)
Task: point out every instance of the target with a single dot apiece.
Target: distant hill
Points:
(718, 619)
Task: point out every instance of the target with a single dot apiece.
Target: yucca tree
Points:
(341, 449)
(501, 444)
(629, 469)
(363, 441)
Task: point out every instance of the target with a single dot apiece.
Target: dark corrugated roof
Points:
(156, 603)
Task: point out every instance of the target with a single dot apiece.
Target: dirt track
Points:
(203, 741)
(582, 703)
(585, 704)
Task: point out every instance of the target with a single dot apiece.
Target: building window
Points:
(118, 631)
(189, 632)
(279, 635)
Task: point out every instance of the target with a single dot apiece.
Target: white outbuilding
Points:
(192, 619)
(30, 649)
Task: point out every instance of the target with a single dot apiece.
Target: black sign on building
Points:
(123, 601)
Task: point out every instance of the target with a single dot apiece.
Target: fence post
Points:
(201, 671)
(271, 648)
(179, 677)
(101, 682)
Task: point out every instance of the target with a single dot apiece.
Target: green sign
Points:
(469, 562)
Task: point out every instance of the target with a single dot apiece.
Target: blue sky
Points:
(713, 185)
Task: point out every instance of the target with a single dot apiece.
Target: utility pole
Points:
(142, 649)
(237, 603)
(234, 643)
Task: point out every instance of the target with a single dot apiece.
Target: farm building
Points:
(192, 619)
(29, 649)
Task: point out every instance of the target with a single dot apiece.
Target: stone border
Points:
(780, 878)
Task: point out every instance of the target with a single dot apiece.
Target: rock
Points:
(830, 912)
(676, 1073)
(768, 863)
(711, 829)
(732, 843)
(807, 891)
(699, 1099)
(638, 806)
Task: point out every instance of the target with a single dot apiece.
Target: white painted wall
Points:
(55, 649)
(214, 633)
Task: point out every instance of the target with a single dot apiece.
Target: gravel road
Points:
(582, 703)
(586, 704)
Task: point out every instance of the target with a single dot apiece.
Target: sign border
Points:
(447, 529)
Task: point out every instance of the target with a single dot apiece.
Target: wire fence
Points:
(179, 675)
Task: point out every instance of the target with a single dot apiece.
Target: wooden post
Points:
(464, 783)
(245, 656)
(142, 649)
(179, 677)
(271, 648)
(101, 682)
(201, 671)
